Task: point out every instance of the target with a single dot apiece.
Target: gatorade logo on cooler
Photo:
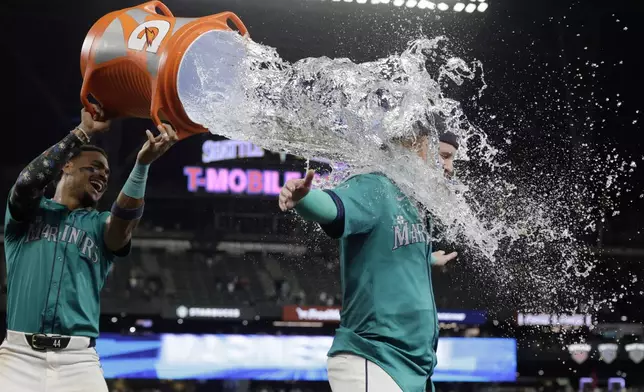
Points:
(148, 35)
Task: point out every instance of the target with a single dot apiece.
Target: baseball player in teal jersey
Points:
(59, 252)
(388, 331)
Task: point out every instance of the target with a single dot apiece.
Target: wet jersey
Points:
(388, 311)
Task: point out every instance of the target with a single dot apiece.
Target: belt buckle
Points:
(33, 341)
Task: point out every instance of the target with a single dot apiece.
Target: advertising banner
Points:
(264, 357)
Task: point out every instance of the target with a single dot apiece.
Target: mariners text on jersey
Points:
(38, 230)
(409, 233)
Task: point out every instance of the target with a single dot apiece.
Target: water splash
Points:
(346, 112)
(526, 227)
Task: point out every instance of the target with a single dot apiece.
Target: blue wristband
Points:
(126, 213)
(135, 185)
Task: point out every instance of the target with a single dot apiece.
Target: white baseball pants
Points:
(73, 369)
(350, 373)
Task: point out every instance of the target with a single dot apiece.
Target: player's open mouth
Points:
(99, 186)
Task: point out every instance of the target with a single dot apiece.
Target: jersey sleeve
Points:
(101, 226)
(359, 202)
(14, 228)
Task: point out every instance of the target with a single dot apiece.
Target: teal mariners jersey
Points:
(388, 310)
(57, 264)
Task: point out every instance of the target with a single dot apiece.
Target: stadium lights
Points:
(444, 5)
(426, 4)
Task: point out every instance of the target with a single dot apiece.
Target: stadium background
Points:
(220, 271)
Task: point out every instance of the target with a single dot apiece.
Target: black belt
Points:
(42, 342)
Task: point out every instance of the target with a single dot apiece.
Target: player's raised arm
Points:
(312, 205)
(29, 187)
(351, 208)
(128, 207)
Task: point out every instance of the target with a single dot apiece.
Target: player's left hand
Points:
(440, 258)
(154, 147)
(94, 123)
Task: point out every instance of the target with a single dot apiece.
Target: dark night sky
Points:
(530, 50)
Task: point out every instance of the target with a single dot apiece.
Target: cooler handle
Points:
(151, 6)
(84, 96)
(154, 113)
(236, 21)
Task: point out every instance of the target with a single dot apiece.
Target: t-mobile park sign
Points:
(237, 181)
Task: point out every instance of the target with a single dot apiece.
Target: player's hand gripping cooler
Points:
(141, 62)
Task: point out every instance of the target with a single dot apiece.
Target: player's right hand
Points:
(94, 123)
(294, 191)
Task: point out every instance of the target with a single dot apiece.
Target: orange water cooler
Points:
(142, 62)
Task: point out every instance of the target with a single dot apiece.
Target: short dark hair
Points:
(87, 148)
(51, 187)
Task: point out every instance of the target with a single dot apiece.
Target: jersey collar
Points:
(54, 205)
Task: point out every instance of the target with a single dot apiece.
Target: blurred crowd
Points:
(219, 279)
